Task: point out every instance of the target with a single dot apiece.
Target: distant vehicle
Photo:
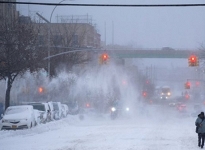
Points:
(119, 108)
(165, 92)
(18, 117)
(181, 107)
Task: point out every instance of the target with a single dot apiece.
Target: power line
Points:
(106, 5)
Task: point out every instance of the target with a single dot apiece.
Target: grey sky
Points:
(180, 28)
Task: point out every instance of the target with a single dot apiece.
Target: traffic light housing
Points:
(187, 85)
(193, 61)
(104, 58)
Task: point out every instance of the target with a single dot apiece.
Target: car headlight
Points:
(4, 121)
(113, 109)
(127, 108)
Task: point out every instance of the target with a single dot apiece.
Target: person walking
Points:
(200, 123)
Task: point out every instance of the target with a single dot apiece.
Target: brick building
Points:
(68, 34)
(8, 12)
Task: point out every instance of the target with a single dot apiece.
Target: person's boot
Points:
(202, 146)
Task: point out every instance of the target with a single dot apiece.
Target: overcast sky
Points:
(176, 27)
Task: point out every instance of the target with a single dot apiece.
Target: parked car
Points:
(48, 112)
(43, 109)
(37, 115)
(58, 110)
(64, 110)
(1, 109)
(18, 117)
(52, 111)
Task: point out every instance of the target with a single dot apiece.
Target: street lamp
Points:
(55, 8)
(49, 33)
(49, 62)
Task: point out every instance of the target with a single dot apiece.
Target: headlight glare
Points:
(127, 108)
(113, 109)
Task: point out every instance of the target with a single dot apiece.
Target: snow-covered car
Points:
(58, 110)
(37, 115)
(1, 109)
(64, 110)
(18, 117)
(43, 109)
(52, 111)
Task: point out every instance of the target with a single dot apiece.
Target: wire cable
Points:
(106, 5)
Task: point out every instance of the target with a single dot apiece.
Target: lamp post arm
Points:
(54, 9)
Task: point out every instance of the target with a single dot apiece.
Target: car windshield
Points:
(165, 90)
(40, 107)
(55, 106)
(15, 110)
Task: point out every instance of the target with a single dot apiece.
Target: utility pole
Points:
(49, 41)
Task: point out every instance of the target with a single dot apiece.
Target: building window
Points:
(41, 40)
(75, 40)
(57, 40)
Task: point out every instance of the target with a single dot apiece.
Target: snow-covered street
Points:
(99, 132)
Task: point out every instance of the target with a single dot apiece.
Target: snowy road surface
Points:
(141, 132)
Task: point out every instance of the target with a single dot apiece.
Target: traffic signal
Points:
(193, 61)
(144, 94)
(104, 58)
(187, 85)
(40, 90)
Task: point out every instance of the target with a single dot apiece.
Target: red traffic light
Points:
(103, 59)
(193, 60)
(187, 85)
(104, 56)
(144, 94)
(40, 90)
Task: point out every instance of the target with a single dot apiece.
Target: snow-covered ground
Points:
(163, 130)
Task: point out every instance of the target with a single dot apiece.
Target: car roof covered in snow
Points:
(21, 106)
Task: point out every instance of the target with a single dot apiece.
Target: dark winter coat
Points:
(200, 124)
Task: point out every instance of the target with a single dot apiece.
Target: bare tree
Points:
(18, 52)
(67, 37)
